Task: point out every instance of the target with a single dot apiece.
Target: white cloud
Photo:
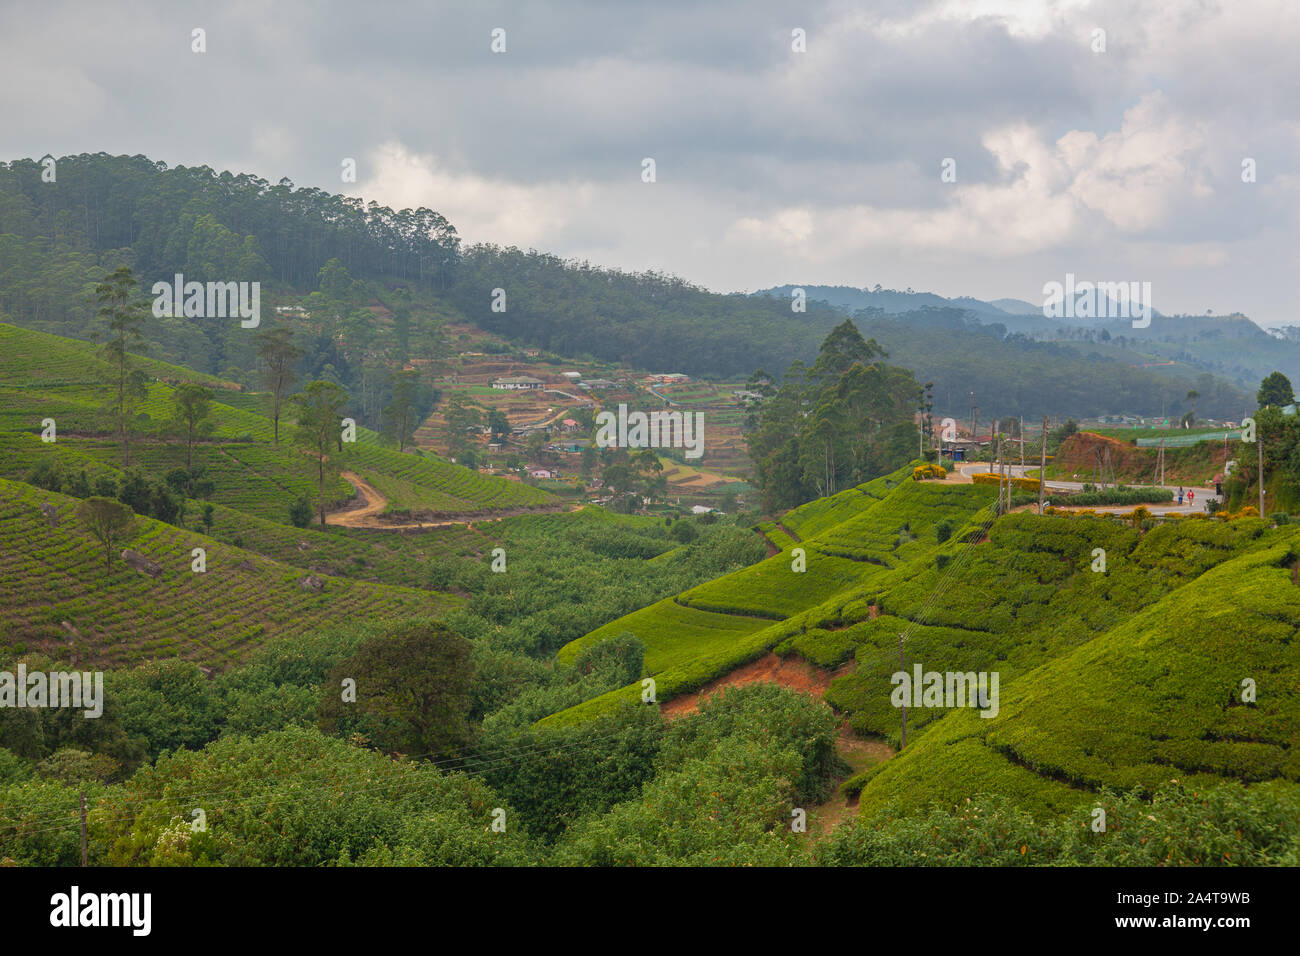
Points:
(482, 209)
(773, 166)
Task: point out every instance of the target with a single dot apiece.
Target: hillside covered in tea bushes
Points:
(1176, 664)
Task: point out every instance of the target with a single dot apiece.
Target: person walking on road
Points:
(1190, 496)
(1180, 497)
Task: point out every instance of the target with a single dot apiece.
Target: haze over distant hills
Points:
(1230, 345)
(894, 301)
(303, 241)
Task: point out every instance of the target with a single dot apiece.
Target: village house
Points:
(517, 382)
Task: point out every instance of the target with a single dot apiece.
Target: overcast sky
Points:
(772, 166)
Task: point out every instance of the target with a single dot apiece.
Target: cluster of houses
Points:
(511, 382)
(569, 425)
(514, 382)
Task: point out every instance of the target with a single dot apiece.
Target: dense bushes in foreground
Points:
(1223, 825)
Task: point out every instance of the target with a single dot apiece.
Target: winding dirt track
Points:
(364, 516)
(368, 514)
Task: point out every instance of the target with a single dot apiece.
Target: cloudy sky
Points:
(771, 165)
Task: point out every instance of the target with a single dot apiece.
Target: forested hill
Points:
(58, 238)
(212, 226)
(648, 320)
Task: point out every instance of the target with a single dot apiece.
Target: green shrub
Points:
(1117, 496)
(1220, 825)
(300, 512)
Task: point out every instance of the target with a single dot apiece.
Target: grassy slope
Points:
(1122, 678)
(51, 574)
(46, 376)
(1156, 697)
(715, 627)
(1023, 597)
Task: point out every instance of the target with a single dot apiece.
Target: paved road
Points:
(1202, 494)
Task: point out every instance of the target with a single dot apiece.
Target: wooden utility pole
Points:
(1008, 468)
(1259, 440)
(902, 667)
(1042, 469)
(995, 465)
(1002, 469)
(1022, 444)
(83, 828)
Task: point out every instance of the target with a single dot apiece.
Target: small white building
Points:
(517, 382)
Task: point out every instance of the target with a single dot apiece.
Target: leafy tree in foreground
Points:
(401, 415)
(462, 415)
(126, 383)
(835, 424)
(109, 521)
(412, 691)
(276, 349)
(191, 406)
(319, 408)
(498, 424)
(1275, 390)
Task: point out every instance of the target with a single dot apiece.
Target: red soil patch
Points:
(791, 672)
(1078, 454)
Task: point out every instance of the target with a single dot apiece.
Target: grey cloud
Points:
(739, 126)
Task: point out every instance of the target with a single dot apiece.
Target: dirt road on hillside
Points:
(369, 513)
(373, 503)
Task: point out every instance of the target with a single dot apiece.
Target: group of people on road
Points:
(1191, 496)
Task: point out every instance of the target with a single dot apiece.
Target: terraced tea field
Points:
(39, 360)
(422, 483)
(1125, 678)
(379, 556)
(1154, 698)
(712, 628)
(45, 376)
(52, 574)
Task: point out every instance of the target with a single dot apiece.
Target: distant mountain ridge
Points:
(894, 301)
(1230, 345)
